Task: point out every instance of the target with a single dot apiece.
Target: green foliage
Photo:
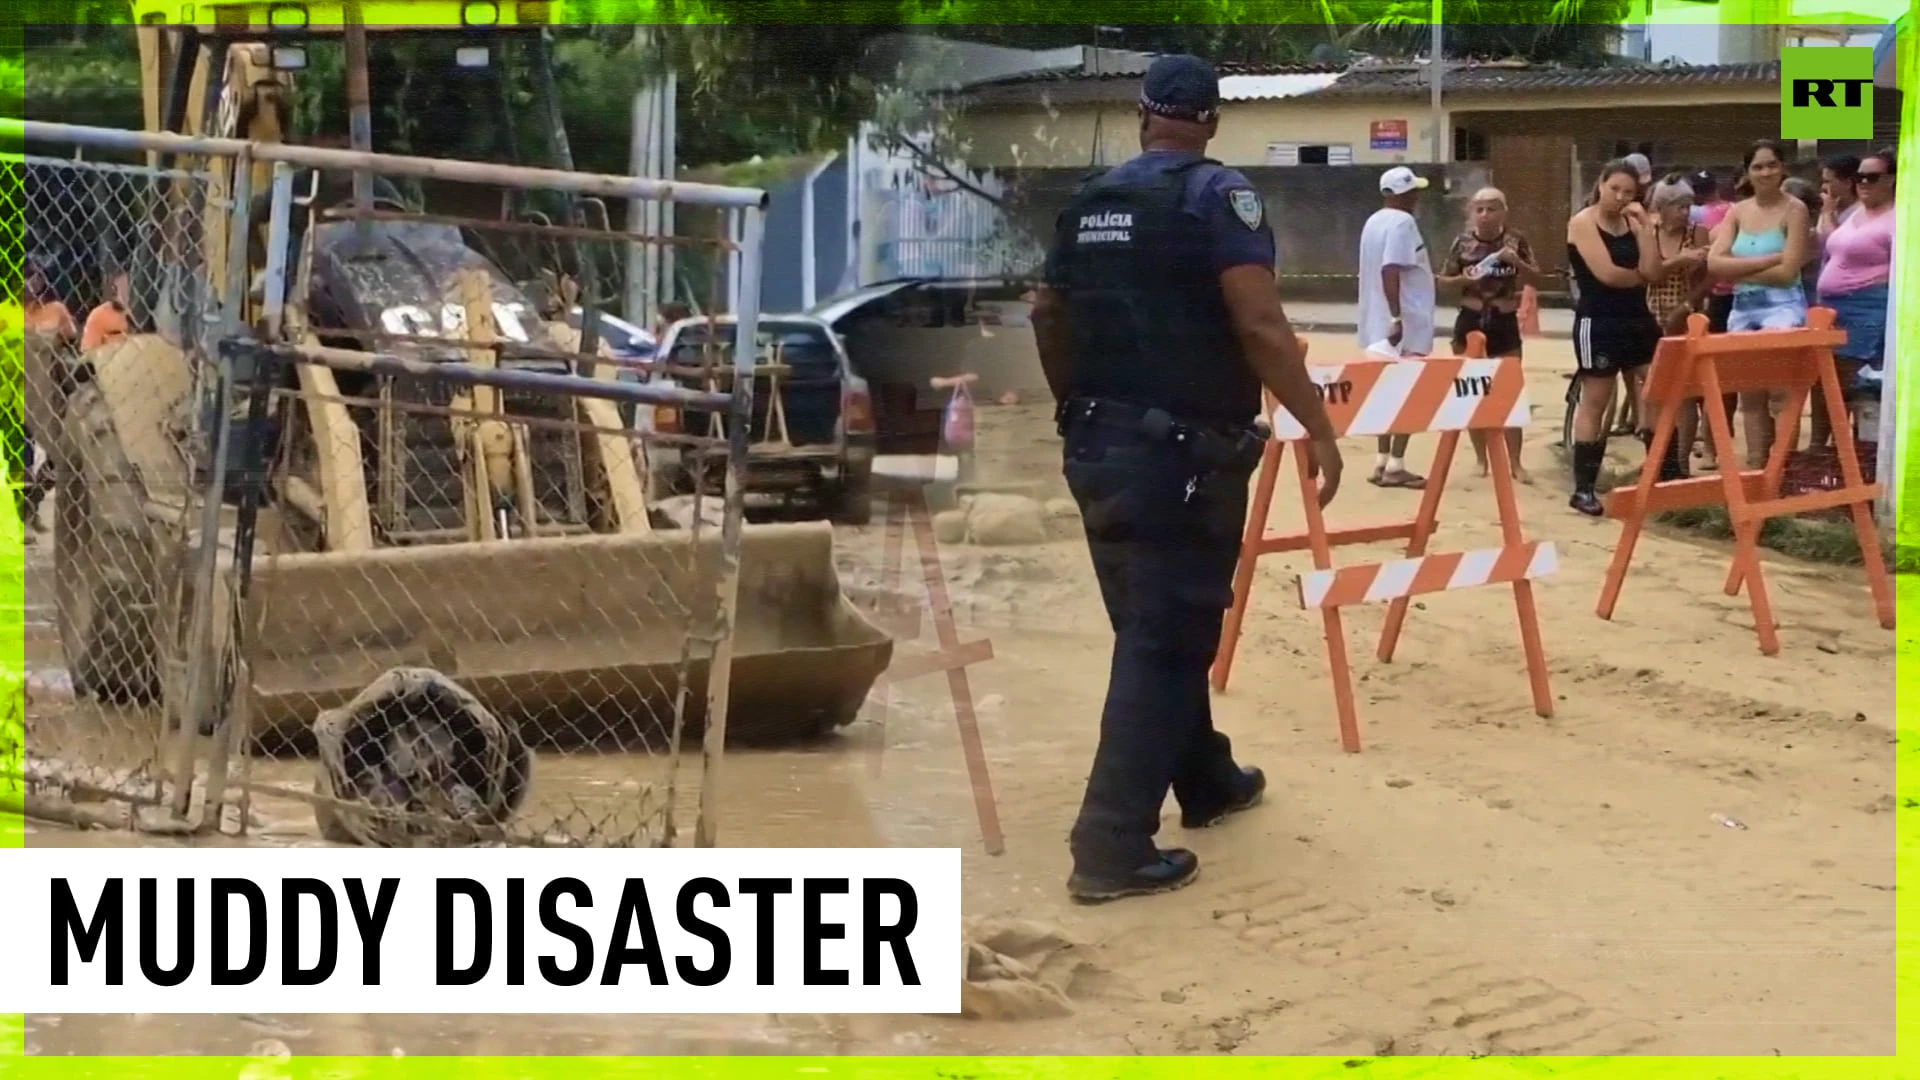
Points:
(1814, 540)
(13, 86)
(79, 85)
(1574, 31)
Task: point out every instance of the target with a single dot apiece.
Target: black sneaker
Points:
(1174, 869)
(1253, 789)
(1588, 503)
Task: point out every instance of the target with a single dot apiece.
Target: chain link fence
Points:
(459, 597)
(356, 521)
(112, 293)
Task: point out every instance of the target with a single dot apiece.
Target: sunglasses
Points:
(1870, 177)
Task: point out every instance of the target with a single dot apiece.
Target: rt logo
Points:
(1826, 93)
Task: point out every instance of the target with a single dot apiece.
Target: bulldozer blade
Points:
(578, 639)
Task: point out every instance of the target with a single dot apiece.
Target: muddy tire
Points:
(103, 559)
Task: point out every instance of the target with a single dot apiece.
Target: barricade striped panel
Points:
(1381, 582)
(1412, 397)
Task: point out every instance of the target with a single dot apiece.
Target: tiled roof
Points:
(1407, 79)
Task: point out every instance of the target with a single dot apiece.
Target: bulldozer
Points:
(527, 563)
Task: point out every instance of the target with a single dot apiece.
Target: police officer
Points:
(1158, 324)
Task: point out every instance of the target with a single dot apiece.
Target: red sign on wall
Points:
(1387, 135)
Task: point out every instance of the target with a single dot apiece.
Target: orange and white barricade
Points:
(1706, 366)
(1444, 395)
(902, 618)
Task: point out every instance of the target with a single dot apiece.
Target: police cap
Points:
(1181, 87)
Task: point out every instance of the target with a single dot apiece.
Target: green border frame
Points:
(15, 1063)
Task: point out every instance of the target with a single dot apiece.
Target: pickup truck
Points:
(817, 446)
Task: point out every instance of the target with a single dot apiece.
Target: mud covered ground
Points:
(1478, 880)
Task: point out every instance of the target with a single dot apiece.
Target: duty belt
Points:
(1218, 445)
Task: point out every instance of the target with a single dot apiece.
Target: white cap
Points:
(1399, 181)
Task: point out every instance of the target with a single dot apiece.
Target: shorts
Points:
(1863, 315)
(1502, 329)
(1782, 308)
(1719, 306)
(1612, 344)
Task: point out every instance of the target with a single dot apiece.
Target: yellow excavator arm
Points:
(227, 70)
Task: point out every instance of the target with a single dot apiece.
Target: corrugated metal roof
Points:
(1272, 87)
(1268, 82)
(1238, 82)
(1405, 79)
(1117, 65)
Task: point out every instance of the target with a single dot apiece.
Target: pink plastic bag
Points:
(956, 427)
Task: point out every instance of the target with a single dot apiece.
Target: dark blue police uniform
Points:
(1158, 451)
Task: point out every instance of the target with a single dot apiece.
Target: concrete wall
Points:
(1317, 214)
(1680, 134)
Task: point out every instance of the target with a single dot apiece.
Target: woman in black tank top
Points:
(1613, 254)
(1610, 301)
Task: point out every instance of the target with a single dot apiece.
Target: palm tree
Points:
(1577, 32)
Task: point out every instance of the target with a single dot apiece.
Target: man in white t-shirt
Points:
(1396, 300)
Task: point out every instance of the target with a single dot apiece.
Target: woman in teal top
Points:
(1760, 248)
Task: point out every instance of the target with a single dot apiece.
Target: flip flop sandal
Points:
(1404, 480)
(1377, 479)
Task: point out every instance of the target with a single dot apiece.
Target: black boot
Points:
(1672, 465)
(1587, 458)
(1249, 788)
(1172, 868)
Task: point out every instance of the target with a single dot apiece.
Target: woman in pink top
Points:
(1859, 265)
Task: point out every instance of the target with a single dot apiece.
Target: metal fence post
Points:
(262, 366)
(201, 663)
(279, 232)
(739, 437)
(203, 666)
(233, 308)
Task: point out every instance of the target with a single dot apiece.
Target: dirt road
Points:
(1477, 880)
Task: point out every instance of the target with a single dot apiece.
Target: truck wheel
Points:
(102, 560)
(853, 499)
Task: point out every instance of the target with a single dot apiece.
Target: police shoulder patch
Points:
(1246, 207)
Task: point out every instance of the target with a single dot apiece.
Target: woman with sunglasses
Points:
(1859, 266)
